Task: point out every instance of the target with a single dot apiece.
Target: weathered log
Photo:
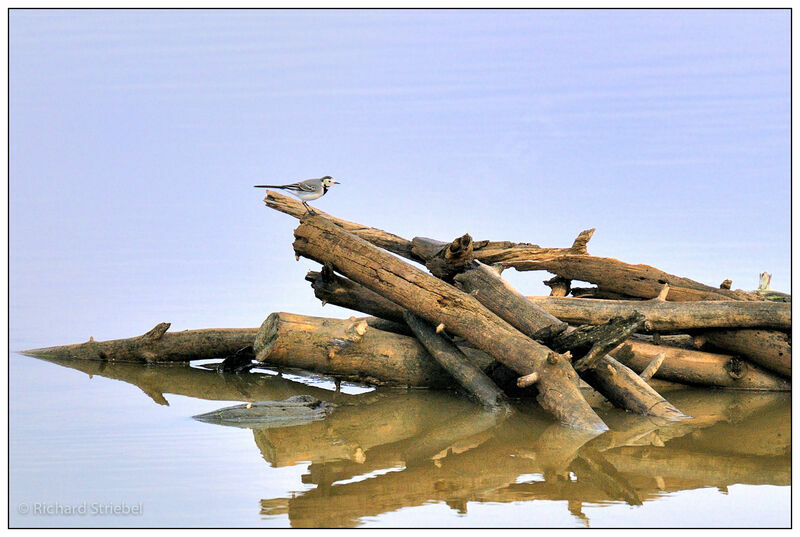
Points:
(671, 316)
(467, 374)
(573, 263)
(157, 345)
(348, 349)
(440, 303)
(619, 384)
(612, 275)
(449, 260)
(558, 286)
(771, 350)
(703, 368)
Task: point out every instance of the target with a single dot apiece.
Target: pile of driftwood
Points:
(447, 318)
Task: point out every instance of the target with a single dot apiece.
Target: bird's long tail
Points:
(270, 186)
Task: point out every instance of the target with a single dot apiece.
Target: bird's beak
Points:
(337, 182)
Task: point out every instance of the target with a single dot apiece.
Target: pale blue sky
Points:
(136, 137)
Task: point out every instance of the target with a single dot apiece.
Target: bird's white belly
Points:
(306, 196)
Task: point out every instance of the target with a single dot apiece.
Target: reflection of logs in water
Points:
(621, 465)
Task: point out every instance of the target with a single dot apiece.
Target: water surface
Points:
(122, 434)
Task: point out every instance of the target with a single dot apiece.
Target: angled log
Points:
(672, 316)
(573, 263)
(440, 303)
(769, 349)
(619, 384)
(452, 360)
(157, 345)
(593, 342)
(379, 238)
(331, 288)
(348, 349)
(701, 368)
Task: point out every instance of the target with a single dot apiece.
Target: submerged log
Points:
(157, 345)
(771, 350)
(348, 349)
(440, 303)
(622, 386)
(703, 368)
(672, 316)
(467, 374)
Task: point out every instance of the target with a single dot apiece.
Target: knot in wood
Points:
(552, 358)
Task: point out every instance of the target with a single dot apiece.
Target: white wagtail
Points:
(307, 190)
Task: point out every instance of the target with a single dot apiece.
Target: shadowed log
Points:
(672, 316)
(157, 345)
(467, 374)
(440, 303)
(771, 350)
(332, 288)
(703, 368)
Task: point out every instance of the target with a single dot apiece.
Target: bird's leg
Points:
(309, 210)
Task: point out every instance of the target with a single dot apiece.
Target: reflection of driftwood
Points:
(672, 316)
(706, 468)
(766, 348)
(702, 368)
(157, 345)
(346, 348)
(440, 303)
(415, 474)
(155, 380)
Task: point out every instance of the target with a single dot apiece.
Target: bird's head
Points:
(328, 181)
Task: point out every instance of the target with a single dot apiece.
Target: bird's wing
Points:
(304, 186)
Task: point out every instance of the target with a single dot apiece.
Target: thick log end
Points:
(266, 336)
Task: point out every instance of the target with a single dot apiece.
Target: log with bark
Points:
(157, 345)
(701, 368)
(440, 303)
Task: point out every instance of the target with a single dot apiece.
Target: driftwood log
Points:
(672, 316)
(348, 349)
(440, 303)
(617, 383)
(701, 368)
(621, 385)
(157, 345)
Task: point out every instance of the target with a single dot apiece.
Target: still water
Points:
(103, 444)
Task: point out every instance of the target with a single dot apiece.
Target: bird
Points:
(307, 190)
